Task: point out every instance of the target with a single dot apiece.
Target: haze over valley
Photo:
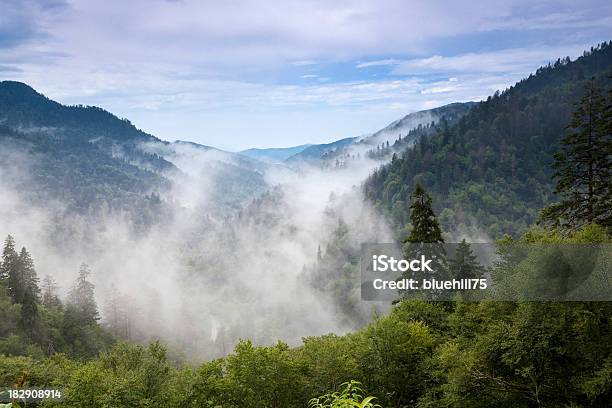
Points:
(187, 241)
(202, 247)
(247, 204)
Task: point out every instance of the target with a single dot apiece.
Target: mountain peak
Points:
(22, 106)
(18, 90)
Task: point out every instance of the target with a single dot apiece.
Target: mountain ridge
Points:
(274, 155)
(492, 169)
(87, 157)
(404, 125)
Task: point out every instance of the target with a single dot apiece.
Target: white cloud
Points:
(516, 60)
(258, 34)
(377, 63)
(303, 63)
(237, 114)
(193, 61)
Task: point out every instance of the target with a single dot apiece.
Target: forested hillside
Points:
(35, 322)
(83, 156)
(424, 354)
(492, 169)
(86, 158)
(312, 154)
(399, 133)
(274, 155)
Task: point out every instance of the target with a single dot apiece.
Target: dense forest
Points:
(492, 169)
(393, 138)
(83, 156)
(426, 354)
(421, 354)
(35, 321)
(84, 160)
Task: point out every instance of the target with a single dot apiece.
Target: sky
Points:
(240, 74)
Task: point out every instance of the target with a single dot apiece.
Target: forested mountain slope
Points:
(87, 158)
(83, 156)
(325, 153)
(313, 154)
(403, 126)
(492, 169)
(274, 154)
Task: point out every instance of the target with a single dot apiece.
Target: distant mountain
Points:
(274, 155)
(230, 179)
(492, 167)
(315, 152)
(237, 159)
(413, 120)
(86, 157)
(406, 126)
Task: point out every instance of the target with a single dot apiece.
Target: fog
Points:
(202, 277)
(401, 126)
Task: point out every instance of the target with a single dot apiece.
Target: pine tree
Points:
(425, 238)
(583, 166)
(81, 296)
(30, 318)
(606, 131)
(464, 264)
(116, 313)
(26, 293)
(28, 274)
(425, 226)
(9, 269)
(9, 257)
(49, 289)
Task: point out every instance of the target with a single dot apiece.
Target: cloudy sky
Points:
(238, 74)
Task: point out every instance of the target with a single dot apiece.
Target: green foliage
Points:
(583, 166)
(394, 358)
(263, 376)
(425, 238)
(11, 270)
(425, 226)
(526, 354)
(81, 299)
(83, 155)
(328, 361)
(40, 326)
(464, 265)
(479, 354)
(127, 375)
(492, 168)
(335, 273)
(351, 396)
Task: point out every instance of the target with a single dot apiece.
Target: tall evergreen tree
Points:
(28, 274)
(9, 269)
(9, 256)
(606, 130)
(116, 313)
(425, 238)
(425, 226)
(464, 264)
(81, 296)
(50, 298)
(30, 318)
(583, 166)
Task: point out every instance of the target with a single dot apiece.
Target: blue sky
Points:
(239, 74)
